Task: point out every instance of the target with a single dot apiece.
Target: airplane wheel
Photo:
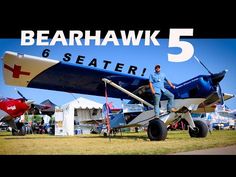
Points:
(200, 131)
(14, 132)
(22, 131)
(157, 130)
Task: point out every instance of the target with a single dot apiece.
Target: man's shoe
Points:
(173, 110)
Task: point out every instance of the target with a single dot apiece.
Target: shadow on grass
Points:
(33, 137)
(143, 137)
(132, 137)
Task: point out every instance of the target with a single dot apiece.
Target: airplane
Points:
(229, 114)
(11, 110)
(224, 111)
(196, 95)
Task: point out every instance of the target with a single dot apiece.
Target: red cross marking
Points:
(16, 71)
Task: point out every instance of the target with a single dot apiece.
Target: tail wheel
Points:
(157, 130)
(200, 131)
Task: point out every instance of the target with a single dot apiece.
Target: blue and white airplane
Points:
(224, 111)
(197, 95)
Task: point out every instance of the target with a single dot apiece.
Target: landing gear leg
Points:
(197, 128)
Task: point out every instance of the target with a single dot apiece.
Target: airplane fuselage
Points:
(197, 87)
(12, 108)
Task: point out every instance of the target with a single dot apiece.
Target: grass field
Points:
(127, 143)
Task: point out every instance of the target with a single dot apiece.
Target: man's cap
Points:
(157, 66)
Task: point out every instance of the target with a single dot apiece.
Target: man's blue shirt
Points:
(158, 80)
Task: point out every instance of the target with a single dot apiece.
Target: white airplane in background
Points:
(224, 111)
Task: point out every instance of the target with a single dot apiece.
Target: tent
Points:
(79, 111)
(40, 108)
(51, 110)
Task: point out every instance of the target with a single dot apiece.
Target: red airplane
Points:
(11, 109)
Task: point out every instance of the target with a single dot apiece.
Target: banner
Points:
(59, 122)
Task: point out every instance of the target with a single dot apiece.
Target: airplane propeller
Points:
(216, 78)
(28, 102)
(21, 95)
(221, 95)
(32, 103)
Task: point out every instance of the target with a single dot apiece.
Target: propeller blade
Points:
(220, 95)
(216, 78)
(21, 95)
(199, 61)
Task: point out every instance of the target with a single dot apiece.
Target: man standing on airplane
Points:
(156, 83)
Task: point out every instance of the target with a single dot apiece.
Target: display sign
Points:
(59, 122)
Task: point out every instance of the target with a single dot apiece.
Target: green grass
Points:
(128, 143)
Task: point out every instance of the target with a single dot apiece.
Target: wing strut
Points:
(107, 111)
(127, 92)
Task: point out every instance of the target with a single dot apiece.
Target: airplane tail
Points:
(20, 69)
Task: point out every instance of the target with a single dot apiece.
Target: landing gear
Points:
(157, 130)
(200, 131)
(21, 130)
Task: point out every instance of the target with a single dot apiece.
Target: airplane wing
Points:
(37, 72)
(210, 103)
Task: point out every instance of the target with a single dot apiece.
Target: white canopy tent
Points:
(80, 110)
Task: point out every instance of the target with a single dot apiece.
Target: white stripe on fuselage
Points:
(21, 64)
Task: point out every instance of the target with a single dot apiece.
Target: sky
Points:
(216, 54)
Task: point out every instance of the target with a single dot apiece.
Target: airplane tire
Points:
(22, 131)
(14, 132)
(157, 130)
(200, 131)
